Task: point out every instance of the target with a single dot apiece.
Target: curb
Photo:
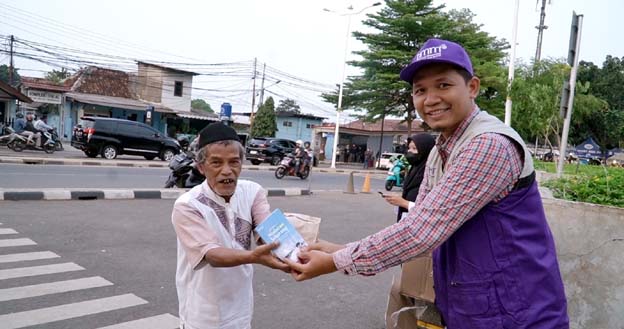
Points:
(116, 194)
(113, 163)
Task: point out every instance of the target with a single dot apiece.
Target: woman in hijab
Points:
(418, 148)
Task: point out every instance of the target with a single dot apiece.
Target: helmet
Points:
(306, 144)
(299, 142)
(19, 115)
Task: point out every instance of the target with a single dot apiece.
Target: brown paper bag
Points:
(417, 279)
(307, 226)
(398, 313)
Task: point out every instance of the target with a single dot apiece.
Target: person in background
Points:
(31, 131)
(419, 147)
(213, 223)
(479, 211)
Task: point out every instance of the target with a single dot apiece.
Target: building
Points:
(155, 95)
(9, 98)
(364, 135)
(295, 126)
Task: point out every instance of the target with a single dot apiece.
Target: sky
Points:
(298, 38)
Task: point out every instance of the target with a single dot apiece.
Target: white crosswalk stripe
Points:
(163, 321)
(68, 311)
(26, 256)
(16, 242)
(52, 288)
(38, 270)
(43, 316)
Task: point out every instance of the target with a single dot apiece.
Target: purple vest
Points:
(500, 270)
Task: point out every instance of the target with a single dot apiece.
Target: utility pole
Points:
(253, 96)
(11, 63)
(540, 32)
(261, 101)
(512, 60)
(573, 59)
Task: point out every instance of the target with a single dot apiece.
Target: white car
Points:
(384, 160)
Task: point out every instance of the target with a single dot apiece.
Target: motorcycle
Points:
(395, 174)
(184, 173)
(55, 137)
(20, 144)
(8, 135)
(288, 167)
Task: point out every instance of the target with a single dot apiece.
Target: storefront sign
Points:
(41, 96)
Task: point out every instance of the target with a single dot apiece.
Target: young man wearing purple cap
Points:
(478, 211)
(213, 223)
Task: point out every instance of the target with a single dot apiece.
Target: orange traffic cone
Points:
(366, 186)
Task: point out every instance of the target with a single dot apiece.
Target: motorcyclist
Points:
(309, 154)
(30, 128)
(300, 156)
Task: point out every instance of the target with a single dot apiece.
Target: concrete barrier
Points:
(590, 247)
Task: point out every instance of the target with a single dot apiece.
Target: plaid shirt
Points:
(485, 171)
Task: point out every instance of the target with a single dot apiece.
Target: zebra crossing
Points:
(64, 310)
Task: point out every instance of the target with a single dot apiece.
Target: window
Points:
(308, 125)
(177, 91)
(126, 129)
(287, 123)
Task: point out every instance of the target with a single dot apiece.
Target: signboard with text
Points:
(41, 96)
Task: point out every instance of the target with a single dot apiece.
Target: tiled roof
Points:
(43, 84)
(14, 92)
(101, 81)
(389, 125)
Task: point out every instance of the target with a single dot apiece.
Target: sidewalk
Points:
(73, 157)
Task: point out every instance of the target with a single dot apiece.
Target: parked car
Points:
(112, 137)
(386, 158)
(268, 149)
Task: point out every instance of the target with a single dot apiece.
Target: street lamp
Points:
(344, 68)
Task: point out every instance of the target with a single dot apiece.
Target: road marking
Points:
(68, 311)
(163, 321)
(38, 270)
(26, 256)
(16, 242)
(7, 231)
(52, 288)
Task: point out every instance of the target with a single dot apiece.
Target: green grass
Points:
(585, 183)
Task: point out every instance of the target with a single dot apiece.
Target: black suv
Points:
(268, 149)
(113, 137)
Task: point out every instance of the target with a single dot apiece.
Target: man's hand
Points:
(396, 200)
(262, 255)
(315, 263)
(325, 246)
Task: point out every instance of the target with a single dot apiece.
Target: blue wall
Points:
(298, 129)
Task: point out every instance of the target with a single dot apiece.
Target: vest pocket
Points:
(473, 305)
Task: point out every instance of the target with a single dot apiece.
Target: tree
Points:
(201, 104)
(264, 122)
(57, 76)
(402, 27)
(4, 75)
(536, 94)
(288, 105)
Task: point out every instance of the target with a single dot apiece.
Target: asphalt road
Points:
(59, 176)
(131, 245)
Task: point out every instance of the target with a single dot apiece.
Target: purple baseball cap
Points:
(437, 51)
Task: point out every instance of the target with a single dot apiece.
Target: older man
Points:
(214, 223)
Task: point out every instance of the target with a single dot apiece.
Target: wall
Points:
(590, 247)
(149, 83)
(298, 129)
(182, 104)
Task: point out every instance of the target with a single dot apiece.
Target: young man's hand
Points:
(315, 263)
(262, 255)
(396, 200)
(324, 246)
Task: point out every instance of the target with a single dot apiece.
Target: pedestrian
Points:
(478, 210)
(419, 147)
(213, 223)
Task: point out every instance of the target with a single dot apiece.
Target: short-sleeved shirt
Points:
(210, 297)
